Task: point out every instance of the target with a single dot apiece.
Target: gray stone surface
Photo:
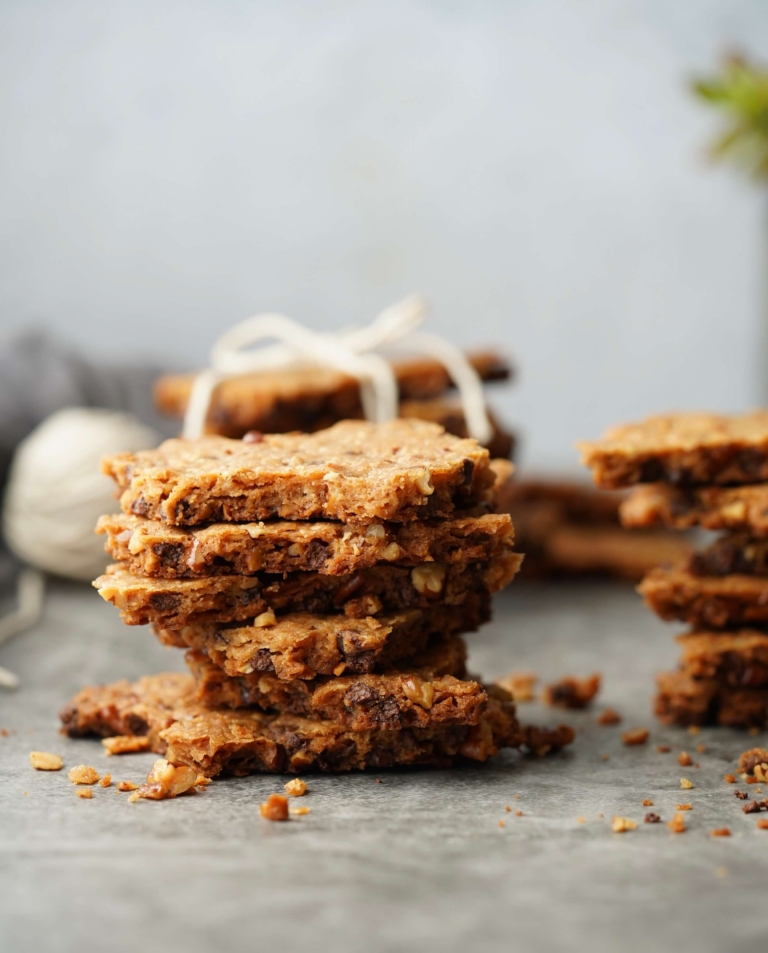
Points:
(418, 861)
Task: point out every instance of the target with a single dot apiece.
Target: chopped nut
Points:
(390, 552)
(83, 774)
(126, 786)
(125, 744)
(685, 807)
(685, 784)
(422, 483)
(45, 761)
(720, 832)
(519, 685)
(105, 781)
(376, 530)
(684, 759)
(620, 825)
(300, 811)
(265, 619)
(275, 808)
(421, 693)
(651, 818)
(428, 578)
(636, 736)
(296, 787)
(572, 692)
(606, 757)
(663, 749)
(647, 802)
(729, 778)
(166, 780)
(677, 824)
(87, 793)
(609, 717)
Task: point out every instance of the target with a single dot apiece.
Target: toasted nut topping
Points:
(44, 761)
(125, 744)
(275, 808)
(428, 578)
(265, 619)
(619, 825)
(376, 530)
(421, 693)
(423, 485)
(84, 792)
(294, 549)
(83, 774)
(636, 736)
(167, 780)
(391, 551)
(296, 787)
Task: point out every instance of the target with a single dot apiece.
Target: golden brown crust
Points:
(738, 659)
(682, 449)
(429, 689)
(682, 700)
(173, 603)
(706, 601)
(304, 645)
(248, 741)
(151, 547)
(354, 472)
(731, 508)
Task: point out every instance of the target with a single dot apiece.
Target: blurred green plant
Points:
(740, 91)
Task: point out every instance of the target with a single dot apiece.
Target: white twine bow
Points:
(350, 351)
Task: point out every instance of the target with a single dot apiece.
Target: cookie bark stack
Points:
(708, 471)
(320, 584)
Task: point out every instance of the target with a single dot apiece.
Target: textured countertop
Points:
(416, 862)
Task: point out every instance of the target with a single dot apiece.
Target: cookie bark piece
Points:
(248, 741)
(736, 659)
(735, 508)
(682, 449)
(450, 415)
(734, 554)
(151, 547)
(355, 471)
(173, 603)
(429, 689)
(304, 645)
(716, 602)
(309, 398)
(683, 700)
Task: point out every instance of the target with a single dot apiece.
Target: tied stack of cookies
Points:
(708, 471)
(320, 584)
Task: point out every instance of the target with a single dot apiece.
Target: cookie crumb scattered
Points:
(619, 825)
(520, 685)
(684, 759)
(126, 786)
(701, 749)
(663, 749)
(295, 788)
(729, 778)
(722, 871)
(694, 730)
(300, 811)
(685, 784)
(720, 832)
(518, 813)
(125, 744)
(753, 758)
(580, 820)
(606, 757)
(83, 774)
(508, 809)
(45, 761)
(762, 824)
(106, 781)
(651, 818)
(685, 807)
(166, 780)
(677, 824)
(501, 823)
(275, 808)
(571, 692)
(609, 717)
(87, 793)
(647, 802)
(635, 736)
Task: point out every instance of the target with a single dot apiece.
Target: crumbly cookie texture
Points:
(683, 700)
(738, 659)
(716, 602)
(304, 645)
(309, 398)
(173, 603)
(247, 741)
(737, 553)
(682, 449)
(151, 547)
(737, 508)
(429, 689)
(355, 471)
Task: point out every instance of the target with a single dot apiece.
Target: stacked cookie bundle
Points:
(320, 584)
(313, 398)
(712, 472)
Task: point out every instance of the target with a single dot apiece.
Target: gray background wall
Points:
(534, 167)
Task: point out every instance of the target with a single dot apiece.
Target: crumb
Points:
(663, 749)
(619, 825)
(694, 730)
(518, 813)
(275, 808)
(647, 802)
(741, 795)
(126, 786)
(753, 757)
(722, 871)
(609, 717)
(83, 774)
(749, 779)
(202, 781)
(729, 778)
(580, 820)
(517, 797)
(125, 744)
(4, 732)
(379, 781)
(300, 811)
(519, 685)
(166, 780)
(572, 692)
(105, 781)
(501, 823)
(87, 793)
(44, 761)
(651, 818)
(701, 749)
(677, 824)
(685, 784)
(762, 824)
(685, 807)
(696, 764)
(134, 797)
(296, 787)
(636, 736)
(754, 731)
(720, 832)
(684, 759)
(601, 815)
(606, 757)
